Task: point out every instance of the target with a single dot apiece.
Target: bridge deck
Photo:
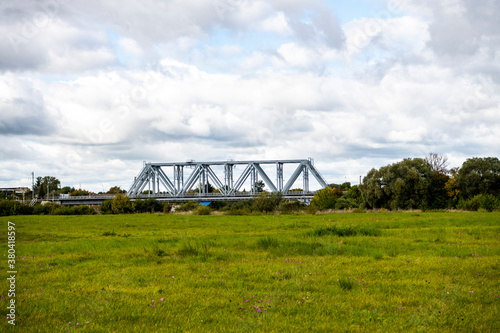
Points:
(99, 199)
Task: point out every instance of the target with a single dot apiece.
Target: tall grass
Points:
(346, 231)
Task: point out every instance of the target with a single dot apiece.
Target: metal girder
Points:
(152, 175)
(266, 178)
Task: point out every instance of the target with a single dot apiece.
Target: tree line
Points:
(427, 183)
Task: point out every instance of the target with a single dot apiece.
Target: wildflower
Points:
(400, 308)
(161, 299)
(153, 301)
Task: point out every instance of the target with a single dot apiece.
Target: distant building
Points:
(16, 190)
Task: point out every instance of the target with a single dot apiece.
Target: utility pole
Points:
(32, 185)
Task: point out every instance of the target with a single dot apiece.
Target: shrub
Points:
(149, 205)
(202, 210)
(292, 207)
(105, 207)
(121, 204)
(12, 207)
(237, 211)
(186, 207)
(345, 204)
(266, 202)
(218, 205)
(486, 202)
(40, 209)
(82, 210)
(325, 199)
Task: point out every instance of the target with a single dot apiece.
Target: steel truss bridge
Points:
(154, 179)
(153, 182)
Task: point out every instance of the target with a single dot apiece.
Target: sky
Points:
(90, 89)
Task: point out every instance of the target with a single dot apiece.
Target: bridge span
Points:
(99, 199)
(203, 183)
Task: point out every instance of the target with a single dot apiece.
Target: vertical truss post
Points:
(305, 174)
(178, 178)
(228, 177)
(279, 176)
(253, 178)
(153, 179)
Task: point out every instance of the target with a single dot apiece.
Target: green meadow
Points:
(379, 272)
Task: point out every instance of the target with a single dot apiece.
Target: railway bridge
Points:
(215, 181)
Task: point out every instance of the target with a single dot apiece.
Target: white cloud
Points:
(278, 24)
(99, 88)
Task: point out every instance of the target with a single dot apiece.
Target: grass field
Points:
(380, 272)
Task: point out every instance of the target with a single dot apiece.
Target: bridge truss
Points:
(154, 179)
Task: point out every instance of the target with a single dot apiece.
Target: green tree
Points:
(325, 198)
(66, 190)
(266, 202)
(354, 195)
(121, 204)
(479, 176)
(259, 186)
(116, 190)
(405, 185)
(80, 193)
(41, 186)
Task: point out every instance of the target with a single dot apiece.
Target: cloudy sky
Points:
(89, 89)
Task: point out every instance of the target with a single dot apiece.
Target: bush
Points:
(186, 207)
(345, 204)
(266, 202)
(237, 211)
(105, 207)
(150, 205)
(82, 210)
(489, 202)
(486, 202)
(12, 207)
(202, 210)
(292, 207)
(121, 204)
(218, 205)
(325, 199)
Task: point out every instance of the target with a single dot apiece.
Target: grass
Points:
(397, 272)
